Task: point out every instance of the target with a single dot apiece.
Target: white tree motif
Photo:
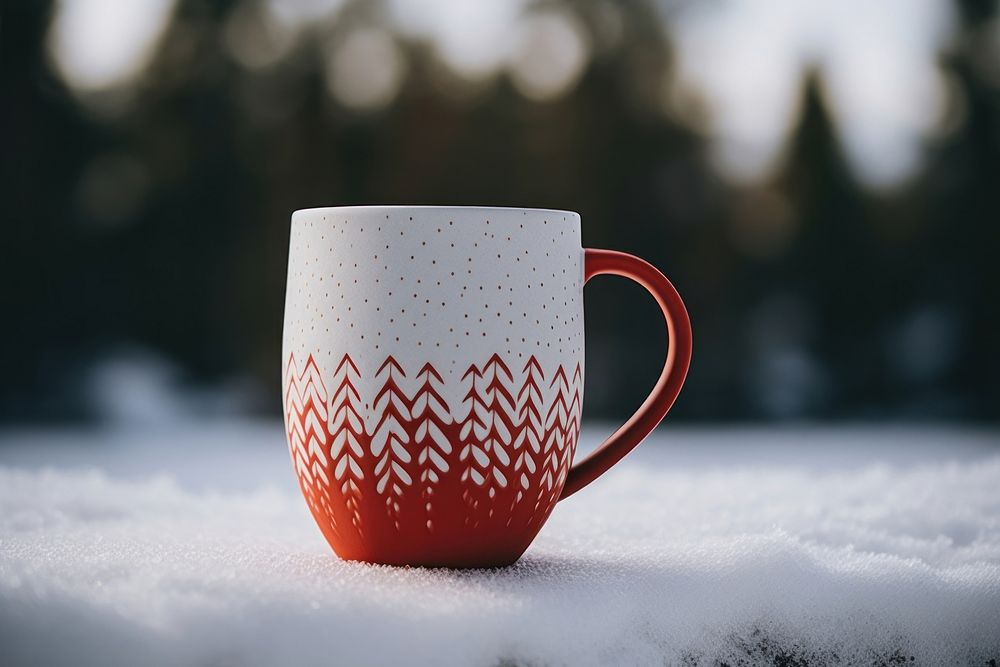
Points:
(431, 415)
(556, 420)
(527, 444)
(572, 426)
(293, 424)
(347, 434)
(390, 437)
(306, 415)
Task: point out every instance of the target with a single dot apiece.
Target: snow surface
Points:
(792, 547)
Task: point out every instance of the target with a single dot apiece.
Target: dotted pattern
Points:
(449, 286)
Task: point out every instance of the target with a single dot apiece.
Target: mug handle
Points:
(675, 368)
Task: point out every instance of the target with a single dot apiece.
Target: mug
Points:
(433, 376)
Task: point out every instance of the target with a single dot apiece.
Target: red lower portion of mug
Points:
(401, 477)
(469, 529)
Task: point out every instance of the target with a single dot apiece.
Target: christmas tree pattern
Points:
(501, 422)
(293, 426)
(572, 425)
(348, 438)
(527, 446)
(433, 421)
(391, 437)
(510, 447)
(556, 420)
(305, 419)
(472, 454)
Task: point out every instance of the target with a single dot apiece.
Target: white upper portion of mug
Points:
(445, 285)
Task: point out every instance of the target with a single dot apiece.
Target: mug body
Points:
(433, 377)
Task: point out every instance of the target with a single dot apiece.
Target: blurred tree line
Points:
(165, 224)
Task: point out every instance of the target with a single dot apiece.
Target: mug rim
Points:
(429, 207)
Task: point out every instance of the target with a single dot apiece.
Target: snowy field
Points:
(192, 546)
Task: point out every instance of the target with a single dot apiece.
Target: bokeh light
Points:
(550, 55)
(365, 70)
(98, 44)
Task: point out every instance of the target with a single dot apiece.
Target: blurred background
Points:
(821, 180)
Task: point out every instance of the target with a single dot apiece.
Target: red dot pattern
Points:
(448, 286)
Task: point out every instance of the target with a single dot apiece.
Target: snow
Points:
(191, 545)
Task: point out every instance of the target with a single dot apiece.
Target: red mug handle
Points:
(675, 368)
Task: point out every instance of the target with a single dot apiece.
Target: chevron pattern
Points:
(503, 452)
(308, 438)
(348, 440)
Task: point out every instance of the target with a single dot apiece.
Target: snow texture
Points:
(808, 547)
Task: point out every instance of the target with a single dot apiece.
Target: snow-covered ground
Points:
(191, 545)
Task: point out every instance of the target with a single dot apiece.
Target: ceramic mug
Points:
(433, 376)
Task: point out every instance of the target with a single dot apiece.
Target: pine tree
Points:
(832, 267)
(955, 270)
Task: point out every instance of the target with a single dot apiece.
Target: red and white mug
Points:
(433, 376)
